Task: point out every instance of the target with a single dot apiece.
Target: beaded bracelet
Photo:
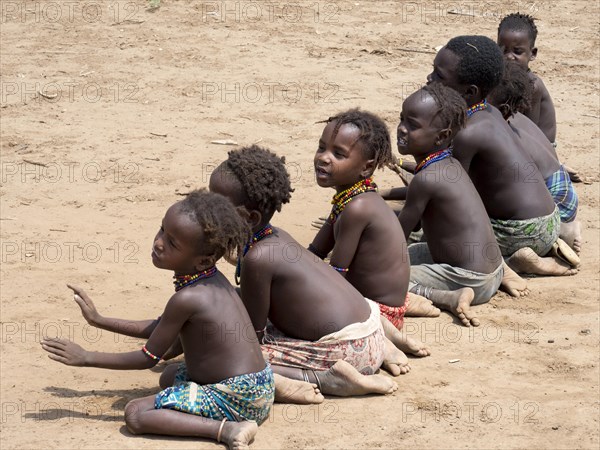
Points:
(149, 354)
(340, 269)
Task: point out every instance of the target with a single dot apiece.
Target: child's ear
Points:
(533, 54)
(368, 168)
(254, 218)
(443, 136)
(472, 94)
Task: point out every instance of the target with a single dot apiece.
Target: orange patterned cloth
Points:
(394, 314)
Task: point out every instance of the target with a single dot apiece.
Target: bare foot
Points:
(573, 174)
(526, 260)
(458, 303)
(295, 391)
(402, 341)
(344, 380)
(512, 283)
(571, 234)
(239, 435)
(419, 306)
(394, 360)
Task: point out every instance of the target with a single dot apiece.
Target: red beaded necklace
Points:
(341, 199)
(182, 281)
(433, 157)
(267, 230)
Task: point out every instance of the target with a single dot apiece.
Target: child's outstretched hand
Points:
(319, 222)
(65, 351)
(85, 303)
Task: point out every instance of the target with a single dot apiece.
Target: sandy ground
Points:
(130, 102)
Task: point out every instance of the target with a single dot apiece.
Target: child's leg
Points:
(570, 232)
(512, 283)
(526, 260)
(342, 380)
(402, 341)
(295, 391)
(142, 418)
(457, 302)
(419, 306)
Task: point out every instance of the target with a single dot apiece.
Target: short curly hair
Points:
(452, 107)
(480, 61)
(263, 177)
(224, 231)
(520, 22)
(374, 135)
(514, 92)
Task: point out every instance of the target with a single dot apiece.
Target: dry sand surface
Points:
(128, 104)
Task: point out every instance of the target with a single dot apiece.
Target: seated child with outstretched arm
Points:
(225, 387)
(525, 219)
(511, 96)
(367, 242)
(314, 326)
(460, 264)
(517, 34)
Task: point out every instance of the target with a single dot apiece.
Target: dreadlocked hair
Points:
(224, 231)
(480, 61)
(514, 92)
(374, 135)
(263, 177)
(520, 22)
(452, 107)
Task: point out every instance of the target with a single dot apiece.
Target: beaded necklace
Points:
(477, 107)
(182, 281)
(341, 199)
(433, 157)
(267, 230)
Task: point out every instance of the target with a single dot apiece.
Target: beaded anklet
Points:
(433, 157)
(477, 107)
(267, 230)
(182, 281)
(341, 199)
(340, 269)
(149, 354)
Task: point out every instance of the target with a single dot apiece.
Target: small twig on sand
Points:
(35, 163)
(415, 51)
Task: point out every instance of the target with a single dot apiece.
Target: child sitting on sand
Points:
(363, 233)
(525, 219)
(314, 326)
(517, 34)
(225, 387)
(511, 96)
(460, 264)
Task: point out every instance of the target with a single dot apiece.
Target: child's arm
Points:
(177, 312)
(134, 328)
(349, 228)
(547, 115)
(256, 279)
(323, 241)
(416, 201)
(398, 193)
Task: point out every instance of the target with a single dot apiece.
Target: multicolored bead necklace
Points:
(477, 107)
(341, 199)
(433, 157)
(267, 230)
(182, 281)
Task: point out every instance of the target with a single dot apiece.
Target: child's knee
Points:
(133, 416)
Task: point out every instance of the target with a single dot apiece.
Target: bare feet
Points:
(458, 303)
(571, 234)
(419, 306)
(512, 283)
(402, 341)
(295, 391)
(526, 260)
(239, 435)
(394, 360)
(573, 174)
(344, 380)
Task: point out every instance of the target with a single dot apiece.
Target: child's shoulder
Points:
(364, 206)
